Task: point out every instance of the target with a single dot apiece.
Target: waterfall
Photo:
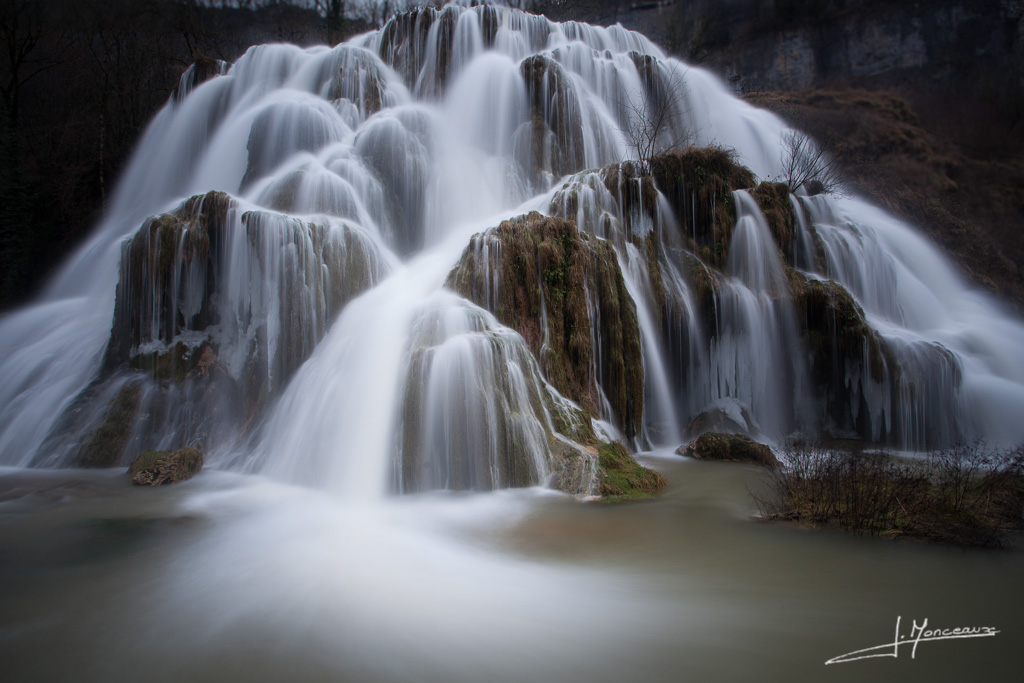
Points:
(423, 259)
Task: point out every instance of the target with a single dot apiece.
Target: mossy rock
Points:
(556, 128)
(841, 344)
(730, 447)
(773, 201)
(719, 420)
(153, 468)
(533, 264)
(405, 45)
(698, 183)
(109, 440)
(623, 478)
(835, 325)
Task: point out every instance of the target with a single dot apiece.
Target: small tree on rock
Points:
(807, 165)
(656, 117)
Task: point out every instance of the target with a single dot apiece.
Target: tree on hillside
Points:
(31, 47)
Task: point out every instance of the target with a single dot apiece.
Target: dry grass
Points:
(931, 162)
(968, 495)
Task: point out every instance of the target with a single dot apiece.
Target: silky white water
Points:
(355, 176)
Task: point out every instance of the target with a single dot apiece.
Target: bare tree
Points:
(657, 117)
(806, 165)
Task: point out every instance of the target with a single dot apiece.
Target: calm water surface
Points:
(230, 577)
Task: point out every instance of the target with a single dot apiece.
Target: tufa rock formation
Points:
(154, 468)
(730, 447)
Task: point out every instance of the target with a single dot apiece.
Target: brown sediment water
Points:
(231, 577)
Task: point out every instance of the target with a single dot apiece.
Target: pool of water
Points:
(231, 577)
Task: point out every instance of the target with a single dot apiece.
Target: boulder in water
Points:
(153, 468)
(713, 420)
(730, 447)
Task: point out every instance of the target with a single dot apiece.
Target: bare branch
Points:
(806, 165)
(656, 118)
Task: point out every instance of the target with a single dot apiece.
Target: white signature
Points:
(919, 633)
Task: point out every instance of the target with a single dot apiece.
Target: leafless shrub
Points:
(967, 495)
(807, 165)
(657, 116)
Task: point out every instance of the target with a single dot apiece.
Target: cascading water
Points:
(291, 316)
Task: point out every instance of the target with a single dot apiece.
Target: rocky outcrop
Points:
(173, 295)
(698, 183)
(563, 292)
(727, 417)
(418, 45)
(359, 80)
(154, 468)
(845, 353)
(554, 146)
(215, 308)
(473, 412)
(168, 270)
(730, 447)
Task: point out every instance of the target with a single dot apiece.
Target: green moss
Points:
(731, 447)
(109, 441)
(548, 261)
(773, 200)
(698, 183)
(623, 477)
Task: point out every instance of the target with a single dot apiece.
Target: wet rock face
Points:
(555, 143)
(154, 468)
(472, 417)
(562, 290)
(174, 293)
(215, 309)
(359, 80)
(801, 45)
(168, 270)
(729, 447)
(418, 45)
(733, 418)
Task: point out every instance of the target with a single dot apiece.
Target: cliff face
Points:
(794, 44)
